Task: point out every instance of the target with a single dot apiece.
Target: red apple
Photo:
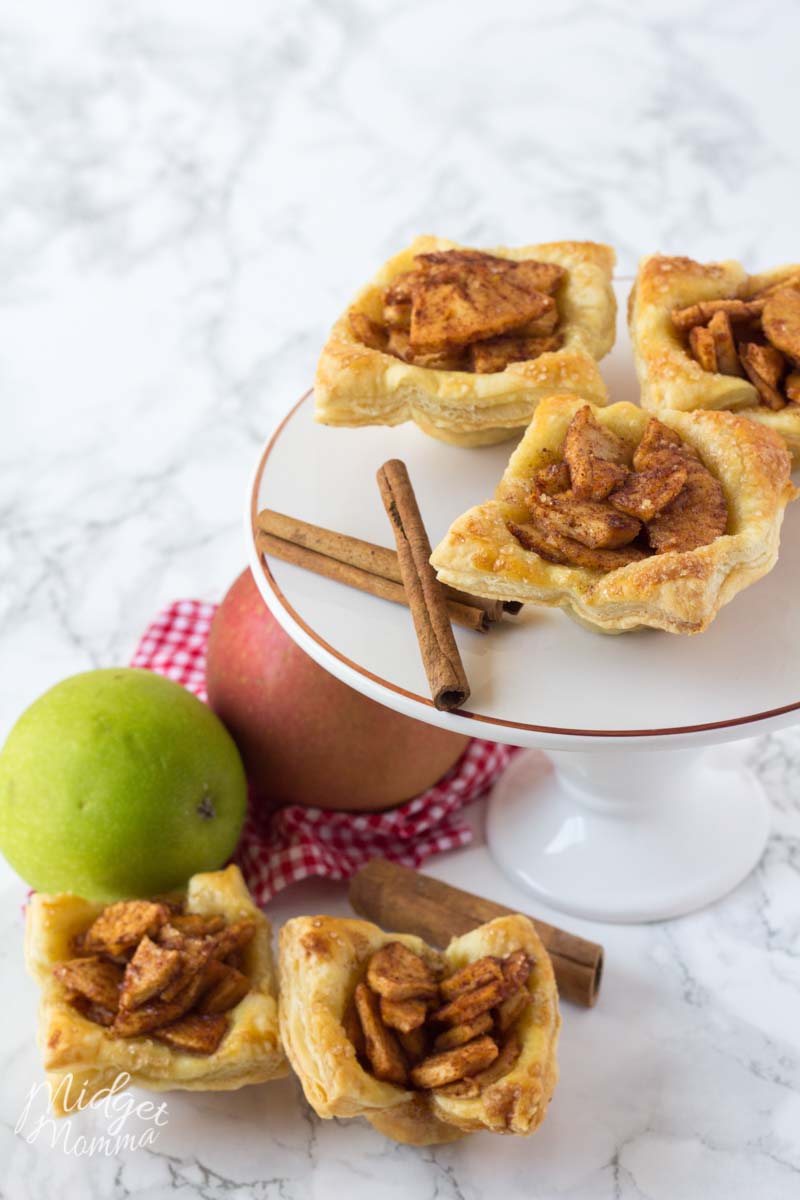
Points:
(305, 737)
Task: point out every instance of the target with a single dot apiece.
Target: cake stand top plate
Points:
(538, 679)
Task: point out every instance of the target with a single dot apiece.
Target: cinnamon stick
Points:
(378, 560)
(376, 585)
(426, 599)
(406, 901)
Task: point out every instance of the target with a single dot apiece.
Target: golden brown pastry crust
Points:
(250, 1052)
(356, 385)
(677, 592)
(670, 378)
(321, 961)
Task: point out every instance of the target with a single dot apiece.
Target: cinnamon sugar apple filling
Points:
(146, 967)
(599, 509)
(757, 338)
(464, 310)
(453, 1036)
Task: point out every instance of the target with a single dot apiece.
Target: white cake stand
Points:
(630, 817)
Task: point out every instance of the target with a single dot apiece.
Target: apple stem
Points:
(206, 807)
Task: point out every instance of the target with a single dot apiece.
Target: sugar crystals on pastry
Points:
(465, 342)
(624, 519)
(708, 335)
(427, 1046)
(177, 992)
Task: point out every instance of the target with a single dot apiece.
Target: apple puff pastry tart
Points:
(624, 519)
(177, 992)
(427, 1046)
(466, 342)
(710, 336)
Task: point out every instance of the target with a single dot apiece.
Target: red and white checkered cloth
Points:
(291, 843)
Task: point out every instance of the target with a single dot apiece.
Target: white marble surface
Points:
(188, 193)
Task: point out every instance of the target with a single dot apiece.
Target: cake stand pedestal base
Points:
(624, 836)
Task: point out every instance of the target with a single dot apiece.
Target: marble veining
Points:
(188, 194)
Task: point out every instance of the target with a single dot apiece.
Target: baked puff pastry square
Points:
(710, 336)
(427, 1046)
(469, 359)
(625, 520)
(229, 1039)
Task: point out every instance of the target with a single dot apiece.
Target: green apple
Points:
(118, 783)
